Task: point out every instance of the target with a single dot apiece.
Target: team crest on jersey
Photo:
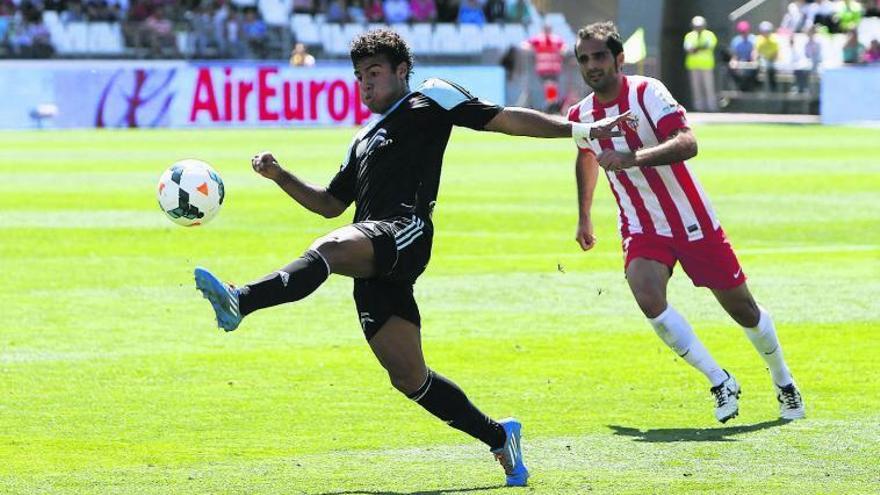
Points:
(368, 146)
(632, 123)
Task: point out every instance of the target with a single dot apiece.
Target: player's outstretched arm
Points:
(518, 121)
(313, 198)
(680, 146)
(586, 170)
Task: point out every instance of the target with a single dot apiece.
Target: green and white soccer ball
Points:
(191, 193)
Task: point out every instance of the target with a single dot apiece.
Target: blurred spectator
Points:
(799, 16)
(101, 11)
(219, 18)
(159, 34)
(494, 10)
(743, 70)
(767, 47)
(516, 11)
(356, 12)
(396, 11)
(276, 15)
(41, 41)
(336, 11)
(872, 54)
(825, 15)
(805, 62)
(76, 13)
(303, 6)
(30, 11)
(300, 57)
(423, 10)
(471, 12)
(699, 46)
(374, 11)
(29, 39)
(853, 51)
(813, 50)
(201, 29)
(849, 15)
(742, 46)
(255, 34)
(5, 25)
(549, 50)
(799, 66)
(873, 10)
(447, 10)
(235, 39)
(53, 5)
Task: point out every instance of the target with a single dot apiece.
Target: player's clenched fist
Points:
(265, 164)
(584, 235)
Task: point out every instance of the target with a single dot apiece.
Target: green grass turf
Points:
(114, 380)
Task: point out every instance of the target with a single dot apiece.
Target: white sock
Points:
(764, 339)
(677, 333)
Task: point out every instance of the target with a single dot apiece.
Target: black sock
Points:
(291, 283)
(444, 399)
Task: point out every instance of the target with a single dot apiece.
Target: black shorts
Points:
(402, 249)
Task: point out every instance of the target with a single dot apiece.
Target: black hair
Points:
(603, 31)
(382, 42)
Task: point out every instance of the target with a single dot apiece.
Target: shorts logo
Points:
(626, 244)
(738, 272)
(366, 319)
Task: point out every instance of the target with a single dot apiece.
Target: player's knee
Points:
(406, 382)
(651, 301)
(329, 246)
(747, 315)
(334, 249)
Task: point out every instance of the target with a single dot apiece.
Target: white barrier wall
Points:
(217, 94)
(850, 95)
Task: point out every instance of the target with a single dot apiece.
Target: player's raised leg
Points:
(345, 251)
(648, 280)
(759, 328)
(397, 345)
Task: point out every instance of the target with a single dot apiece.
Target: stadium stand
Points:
(221, 29)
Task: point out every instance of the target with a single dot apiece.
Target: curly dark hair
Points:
(603, 31)
(385, 42)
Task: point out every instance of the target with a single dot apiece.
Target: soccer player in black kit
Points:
(391, 172)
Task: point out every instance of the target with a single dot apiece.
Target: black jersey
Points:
(393, 164)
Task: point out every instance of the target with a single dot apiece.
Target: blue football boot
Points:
(510, 454)
(223, 297)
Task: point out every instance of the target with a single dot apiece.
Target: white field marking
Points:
(83, 219)
(836, 248)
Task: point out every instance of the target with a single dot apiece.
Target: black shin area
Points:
(444, 399)
(291, 283)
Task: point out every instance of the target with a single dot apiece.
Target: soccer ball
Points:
(190, 193)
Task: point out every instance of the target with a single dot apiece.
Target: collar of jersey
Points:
(387, 112)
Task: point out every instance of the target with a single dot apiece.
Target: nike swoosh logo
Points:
(736, 275)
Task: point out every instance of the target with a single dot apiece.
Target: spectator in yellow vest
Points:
(699, 47)
(767, 47)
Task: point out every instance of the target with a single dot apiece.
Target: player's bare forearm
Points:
(517, 121)
(680, 147)
(313, 198)
(586, 171)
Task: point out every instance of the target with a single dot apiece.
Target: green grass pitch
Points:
(114, 380)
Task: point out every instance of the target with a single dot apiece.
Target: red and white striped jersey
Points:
(666, 200)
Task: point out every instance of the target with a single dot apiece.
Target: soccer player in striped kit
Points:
(665, 216)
